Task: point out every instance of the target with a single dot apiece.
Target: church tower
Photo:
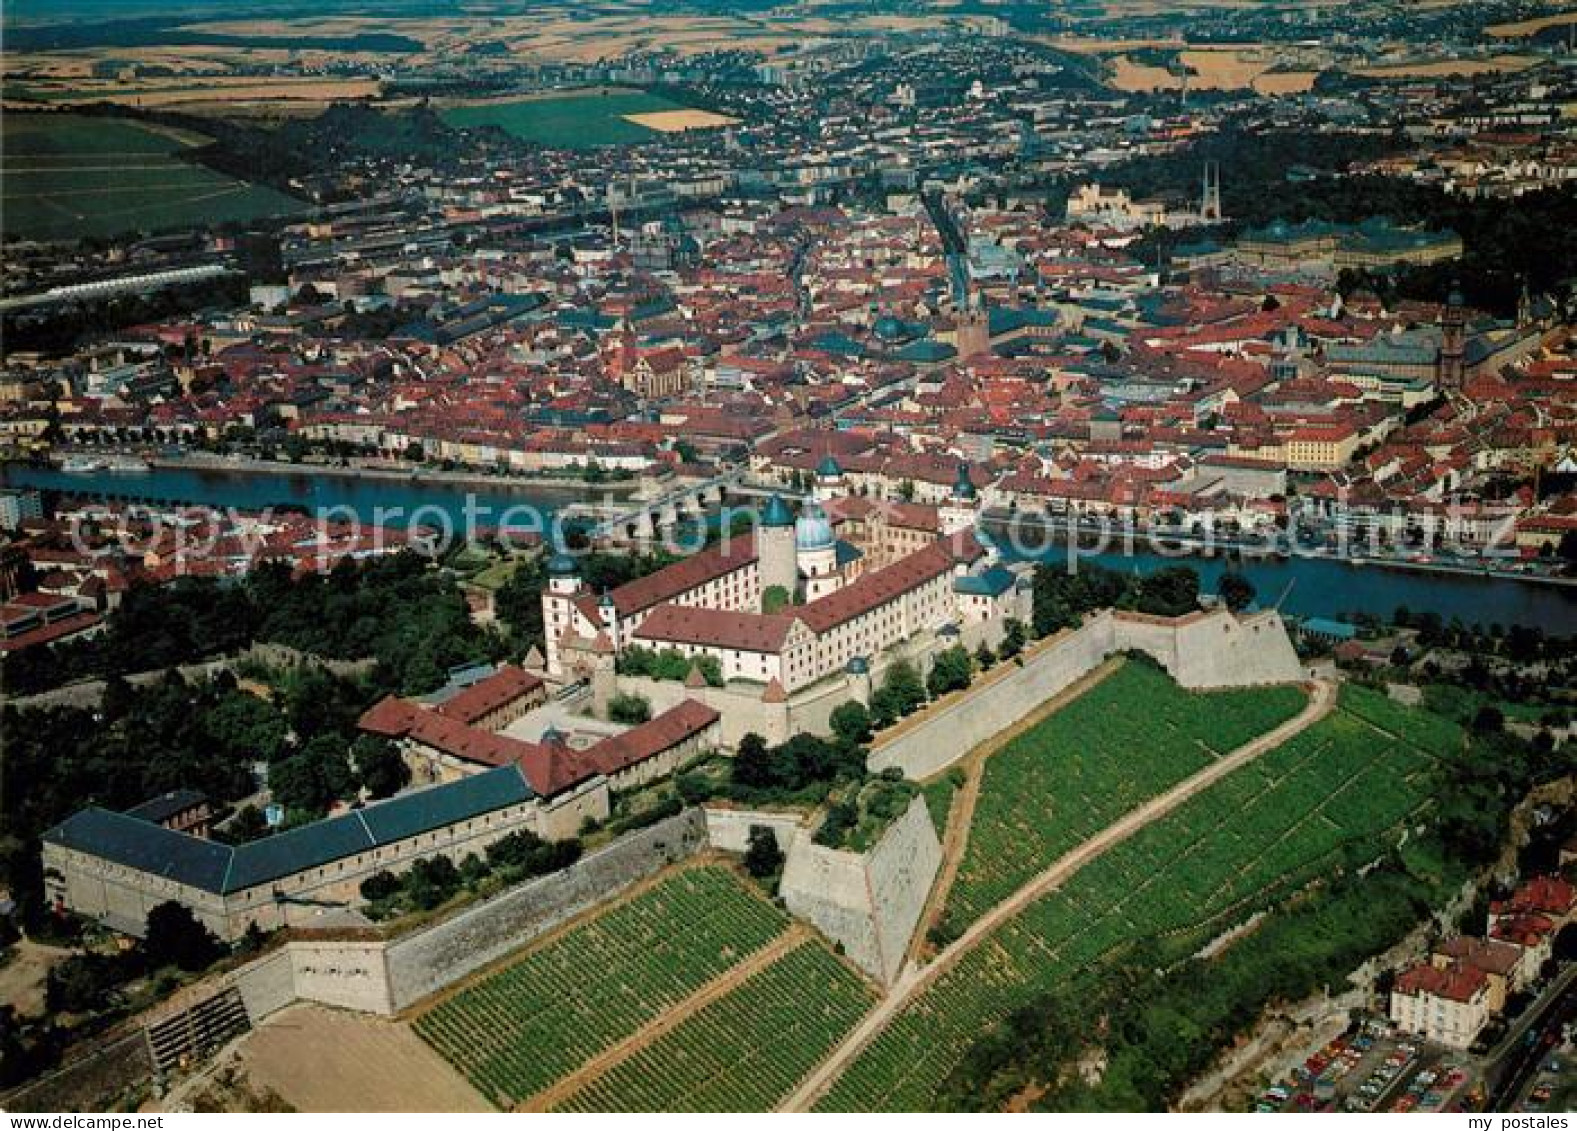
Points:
(1453, 343)
(973, 336)
(963, 503)
(775, 547)
(816, 552)
(558, 613)
(829, 479)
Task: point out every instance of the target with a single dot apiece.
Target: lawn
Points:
(746, 1050)
(537, 1020)
(1332, 795)
(1129, 738)
(575, 120)
(69, 176)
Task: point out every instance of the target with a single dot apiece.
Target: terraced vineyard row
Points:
(1251, 838)
(746, 1050)
(542, 1017)
(1129, 738)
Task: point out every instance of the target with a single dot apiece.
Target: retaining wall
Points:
(869, 903)
(426, 961)
(1201, 651)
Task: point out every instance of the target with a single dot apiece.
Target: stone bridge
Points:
(644, 520)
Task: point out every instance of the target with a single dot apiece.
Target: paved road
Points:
(915, 979)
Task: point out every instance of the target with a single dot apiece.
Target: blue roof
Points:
(992, 583)
(222, 869)
(145, 846)
(777, 513)
(1323, 626)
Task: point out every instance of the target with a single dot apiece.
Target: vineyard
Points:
(1332, 793)
(1129, 738)
(746, 1050)
(539, 1019)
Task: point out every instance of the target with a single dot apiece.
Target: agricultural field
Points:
(69, 176)
(574, 120)
(1335, 793)
(746, 1050)
(526, 1026)
(1129, 738)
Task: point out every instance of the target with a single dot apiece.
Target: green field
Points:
(576, 120)
(746, 1050)
(537, 1020)
(1335, 792)
(68, 176)
(1129, 738)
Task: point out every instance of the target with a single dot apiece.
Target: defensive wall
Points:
(869, 903)
(386, 975)
(1203, 650)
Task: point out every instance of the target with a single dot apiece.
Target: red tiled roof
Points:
(485, 696)
(874, 589)
(742, 631)
(1490, 957)
(1454, 983)
(669, 729)
(686, 574)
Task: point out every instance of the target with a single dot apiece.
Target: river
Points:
(1303, 586)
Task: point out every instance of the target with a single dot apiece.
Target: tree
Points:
(176, 938)
(1014, 637)
(248, 824)
(985, 658)
(851, 722)
(1169, 592)
(380, 886)
(752, 762)
(1237, 592)
(763, 857)
(950, 671)
(775, 599)
(382, 771)
(1489, 720)
(631, 710)
(903, 684)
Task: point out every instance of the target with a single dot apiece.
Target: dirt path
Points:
(22, 979)
(916, 979)
(961, 814)
(319, 1059)
(611, 1058)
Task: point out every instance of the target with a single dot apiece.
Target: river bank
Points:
(396, 473)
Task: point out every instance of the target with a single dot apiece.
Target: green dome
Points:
(561, 565)
(829, 469)
(963, 486)
(777, 513)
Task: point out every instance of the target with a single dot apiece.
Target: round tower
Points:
(775, 547)
(816, 549)
(959, 512)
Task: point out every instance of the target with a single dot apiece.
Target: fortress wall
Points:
(729, 829)
(948, 734)
(1215, 649)
(267, 985)
(901, 869)
(742, 710)
(867, 903)
(1201, 651)
(422, 963)
(347, 975)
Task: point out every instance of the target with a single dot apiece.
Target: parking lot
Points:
(1373, 1069)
